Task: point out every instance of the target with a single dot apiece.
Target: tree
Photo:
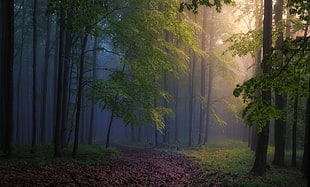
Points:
(292, 78)
(260, 163)
(59, 100)
(193, 5)
(34, 76)
(202, 116)
(79, 95)
(75, 17)
(47, 52)
(6, 73)
(306, 157)
(260, 111)
(191, 97)
(280, 128)
(91, 128)
(145, 56)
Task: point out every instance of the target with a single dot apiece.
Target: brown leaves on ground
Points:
(136, 167)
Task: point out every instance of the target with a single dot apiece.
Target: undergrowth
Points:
(87, 154)
(230, 162)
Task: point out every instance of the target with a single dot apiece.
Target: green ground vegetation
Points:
(230, 162)
(89, 155)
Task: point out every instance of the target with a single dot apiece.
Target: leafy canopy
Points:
(292, 77)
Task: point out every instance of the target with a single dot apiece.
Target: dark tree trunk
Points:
(306, 158)
(202, 117)
(280, 128)
(19, 97)
(55, 78)
(254, 139)
(294, 132)
(59, 113)
(34, 76)
(176, 122)
(65, 89)
(132, 132)
(107, 143)
(191, 98)
(166, 128)
(260, 163)
(6, 74)
(165, 82)
(45, 79)
(139, 133)
(156, 135)
(208, 103)
(91, 125)
(210, 79)
(79, 95)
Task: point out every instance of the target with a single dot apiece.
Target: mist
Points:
(126, 75)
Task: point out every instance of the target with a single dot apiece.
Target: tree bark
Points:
(65, 89)
(176, 122)
(107, 144)
(34, 76)
(45, 79)
(306, 158)
(294, 132)
(202, 117)
(79, 95)
(280, 128)
(191, 98)
(210, 79)
(59, 112)
(91, 125)
(6, 74)
(260, 163)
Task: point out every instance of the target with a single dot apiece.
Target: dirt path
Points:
(136, 167)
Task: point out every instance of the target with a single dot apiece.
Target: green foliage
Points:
(291, 78)
(151, 37)
(300, 8)
(289, 69)
(88, 155)
(193, 6)
(229, 162)
(80, 15)
(224, 156)
(246, 43)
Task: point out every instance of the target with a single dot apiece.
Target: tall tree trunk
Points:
(155, 129)
(132, 133)
(306, 158)
(19, 98)
(107, 144)
(65, 89)
(55, 77)
(59, 112)
(176, 122)
(260, 163)
(191, 97)
(202, 117)
(6, 74)
(280, 129)
(79, 95)
(156, 135)
(210, 78)
(45, 74)
(91, 125)
(294, 132)
(166, 128)
(34, 74)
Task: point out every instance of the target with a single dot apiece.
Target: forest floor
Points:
(217, 164)
(134, 167)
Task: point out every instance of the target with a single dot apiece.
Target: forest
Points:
(154, 92)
